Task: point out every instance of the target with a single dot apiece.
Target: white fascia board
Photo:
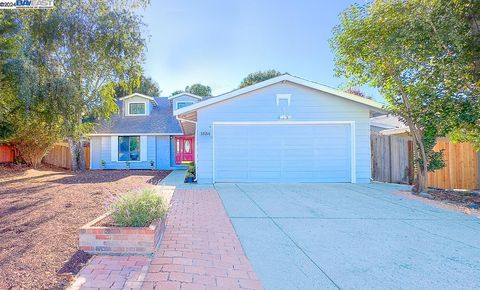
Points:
(139, 95)
(370, 103)
(383, 125)
(184, 94)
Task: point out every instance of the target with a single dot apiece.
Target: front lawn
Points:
(40, 214)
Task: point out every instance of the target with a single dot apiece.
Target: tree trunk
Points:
(421, 178)
(78, 157)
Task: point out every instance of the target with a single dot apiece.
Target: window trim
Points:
(139, 148)
(283, 97)
(128, 109)
(189, 102)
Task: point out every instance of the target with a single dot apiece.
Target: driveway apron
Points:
(351, 236)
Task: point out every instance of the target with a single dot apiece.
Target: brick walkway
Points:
(199, 250)
(112, 272)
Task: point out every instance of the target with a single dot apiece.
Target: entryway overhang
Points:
(188, 122)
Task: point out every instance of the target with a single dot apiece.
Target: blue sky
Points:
(218, 42)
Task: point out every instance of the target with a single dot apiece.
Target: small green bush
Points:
(191, 168)
(138, 209)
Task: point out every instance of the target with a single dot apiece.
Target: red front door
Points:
(184, 149)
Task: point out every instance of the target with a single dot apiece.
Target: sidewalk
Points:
(199, 249)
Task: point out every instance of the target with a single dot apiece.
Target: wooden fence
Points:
(7, 154)
(60, 156)
(392, 161)
(461, 170)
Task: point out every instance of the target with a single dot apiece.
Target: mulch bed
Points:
(40, 214)
(463, 198)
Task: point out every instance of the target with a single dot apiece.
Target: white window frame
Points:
(127, 113)
(139, 149)
(184, 102)
(283, 97)
(353, 154)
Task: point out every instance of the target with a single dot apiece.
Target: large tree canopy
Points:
(420, 54)
(196, 89)
(258, 76)
(199, 90)
(85, 48)
(146, 86)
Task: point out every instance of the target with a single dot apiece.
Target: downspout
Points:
(196, 148)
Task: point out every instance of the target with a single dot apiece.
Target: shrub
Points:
(191, 168)
(138, 209)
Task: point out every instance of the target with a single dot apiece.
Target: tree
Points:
(146, 86)
(358, 92)
(196, 89)
(258, 76)
(199, 90)
(149, 87)
(177, 92)
(28, 120)
(419, 54)
(8, 48)
(89, 47)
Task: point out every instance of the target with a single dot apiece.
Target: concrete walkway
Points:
(199, 249)
(351, 236)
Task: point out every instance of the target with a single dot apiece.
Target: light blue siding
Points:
(158, 150)
(306, 105)
(166, 153)
(163, 152)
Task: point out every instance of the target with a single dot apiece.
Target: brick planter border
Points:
(120, 240)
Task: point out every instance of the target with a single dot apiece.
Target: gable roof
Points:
(282, 78)
(387, 122)
(160, 122)
(185, 94)
(152, 99)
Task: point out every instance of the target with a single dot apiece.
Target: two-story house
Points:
(143, 135)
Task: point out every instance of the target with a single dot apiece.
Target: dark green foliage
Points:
(258, 76)
(146, 86)
(177, 92)
(423, 56)
(199, 90)
(68, 62)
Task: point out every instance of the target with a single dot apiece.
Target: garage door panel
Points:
(231, 175)
(282, 153)
(233, 164)
(265, 165)
(263, 174)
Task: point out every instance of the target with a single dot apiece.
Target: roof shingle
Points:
(160, 120)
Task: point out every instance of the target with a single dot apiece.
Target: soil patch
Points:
(41, 212)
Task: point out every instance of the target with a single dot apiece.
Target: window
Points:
(136, 108)
(187, 146)
(183, 104)
(283, 100)
(129, 148)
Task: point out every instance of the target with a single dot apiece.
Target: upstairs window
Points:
(137, 108)
(183, 104)
(129, 148)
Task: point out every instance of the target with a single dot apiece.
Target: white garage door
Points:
(282, 152)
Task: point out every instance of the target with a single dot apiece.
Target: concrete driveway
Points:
(351, 236)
